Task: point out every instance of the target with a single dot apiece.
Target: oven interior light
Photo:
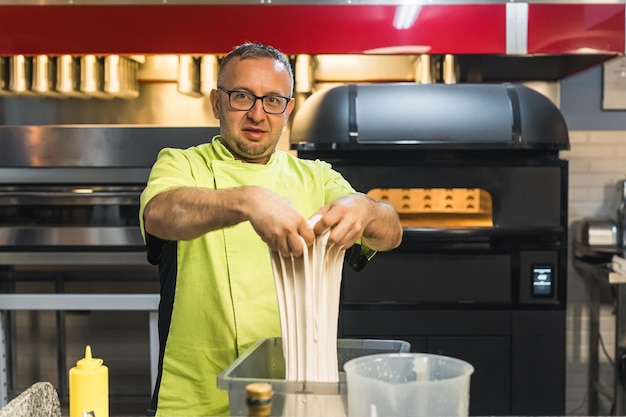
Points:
(439, 207)
(82, 190)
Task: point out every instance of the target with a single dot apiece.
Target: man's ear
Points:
(215, 103)
(290, 106)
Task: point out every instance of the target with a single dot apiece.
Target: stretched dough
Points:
(308, 290)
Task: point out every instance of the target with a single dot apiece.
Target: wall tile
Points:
(608, 136)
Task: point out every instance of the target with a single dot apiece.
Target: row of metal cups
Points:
(85, 76)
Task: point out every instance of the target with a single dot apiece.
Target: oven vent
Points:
(428, 116)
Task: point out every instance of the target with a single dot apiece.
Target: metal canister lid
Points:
(259, 399)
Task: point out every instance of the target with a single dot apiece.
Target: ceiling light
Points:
(406, 16)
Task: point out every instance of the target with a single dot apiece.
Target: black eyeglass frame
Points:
(229, 92)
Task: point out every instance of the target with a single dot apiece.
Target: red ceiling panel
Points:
(575, 28)
(200, 29)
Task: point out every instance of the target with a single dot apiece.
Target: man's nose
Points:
(257, 108)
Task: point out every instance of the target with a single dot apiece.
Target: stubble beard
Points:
(251, 151)
(242, 149)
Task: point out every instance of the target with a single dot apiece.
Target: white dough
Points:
(308, 290)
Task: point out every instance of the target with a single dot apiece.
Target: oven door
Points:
(66, 217)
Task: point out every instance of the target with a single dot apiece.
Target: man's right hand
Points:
(278, 223)
(186, 213)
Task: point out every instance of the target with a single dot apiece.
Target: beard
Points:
(251, 150)
(246, 150)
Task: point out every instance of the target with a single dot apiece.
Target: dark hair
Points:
(250, 50)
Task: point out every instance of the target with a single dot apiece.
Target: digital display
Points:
(542, 281)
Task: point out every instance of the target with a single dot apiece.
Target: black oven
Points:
(475, 175)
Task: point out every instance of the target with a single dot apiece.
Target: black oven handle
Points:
(433, 234)
(479, 240)
(480, 231)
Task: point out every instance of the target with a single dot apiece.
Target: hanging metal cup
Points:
(112, 84)
(132, 83)
(92, 76)
(44, 76)
(450, 69)
(188, 77)
(68, 77)
(423, 70)
(4, 76)
(19, 74)
(120, 76)
(208, 73)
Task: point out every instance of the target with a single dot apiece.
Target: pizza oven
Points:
(475, 175)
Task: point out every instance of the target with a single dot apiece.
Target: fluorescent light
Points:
(406, 15)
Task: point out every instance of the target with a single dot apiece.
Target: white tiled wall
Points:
(597, 163)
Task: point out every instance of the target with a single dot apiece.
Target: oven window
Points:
(69, 206)
(70, 215)
(439, 207)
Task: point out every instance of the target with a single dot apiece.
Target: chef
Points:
(210, 216)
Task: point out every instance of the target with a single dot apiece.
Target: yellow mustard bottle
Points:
(89, 387)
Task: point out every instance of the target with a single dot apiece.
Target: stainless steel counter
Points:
(85, 302)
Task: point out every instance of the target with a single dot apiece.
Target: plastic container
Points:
(89, 387)
(264, 362)
(408, 385)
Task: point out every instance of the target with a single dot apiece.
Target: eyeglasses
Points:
(244, 101)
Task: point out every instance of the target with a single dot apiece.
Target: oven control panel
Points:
(542, 281)
(539, 277)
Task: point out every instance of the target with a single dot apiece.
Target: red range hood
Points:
(30, 28)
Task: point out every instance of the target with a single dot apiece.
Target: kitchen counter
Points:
(80, 302)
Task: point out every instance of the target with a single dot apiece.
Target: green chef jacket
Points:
(217, 291)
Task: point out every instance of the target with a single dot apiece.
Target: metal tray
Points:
(264, 362)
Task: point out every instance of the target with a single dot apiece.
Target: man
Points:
(212, 213)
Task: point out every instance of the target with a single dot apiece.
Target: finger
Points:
(323, 225)
(283, 248)
(279, 245)
(296, 245)
(323, 210)
(344, 236)
(307, 233)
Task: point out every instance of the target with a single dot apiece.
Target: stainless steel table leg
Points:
(594, 338)
(62, 369)
(3, 363)
(620, 349)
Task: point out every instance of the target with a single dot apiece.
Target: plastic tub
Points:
(264, 362)
(408, 384)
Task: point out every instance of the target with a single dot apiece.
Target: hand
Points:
(279, 224)
(347, 216)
